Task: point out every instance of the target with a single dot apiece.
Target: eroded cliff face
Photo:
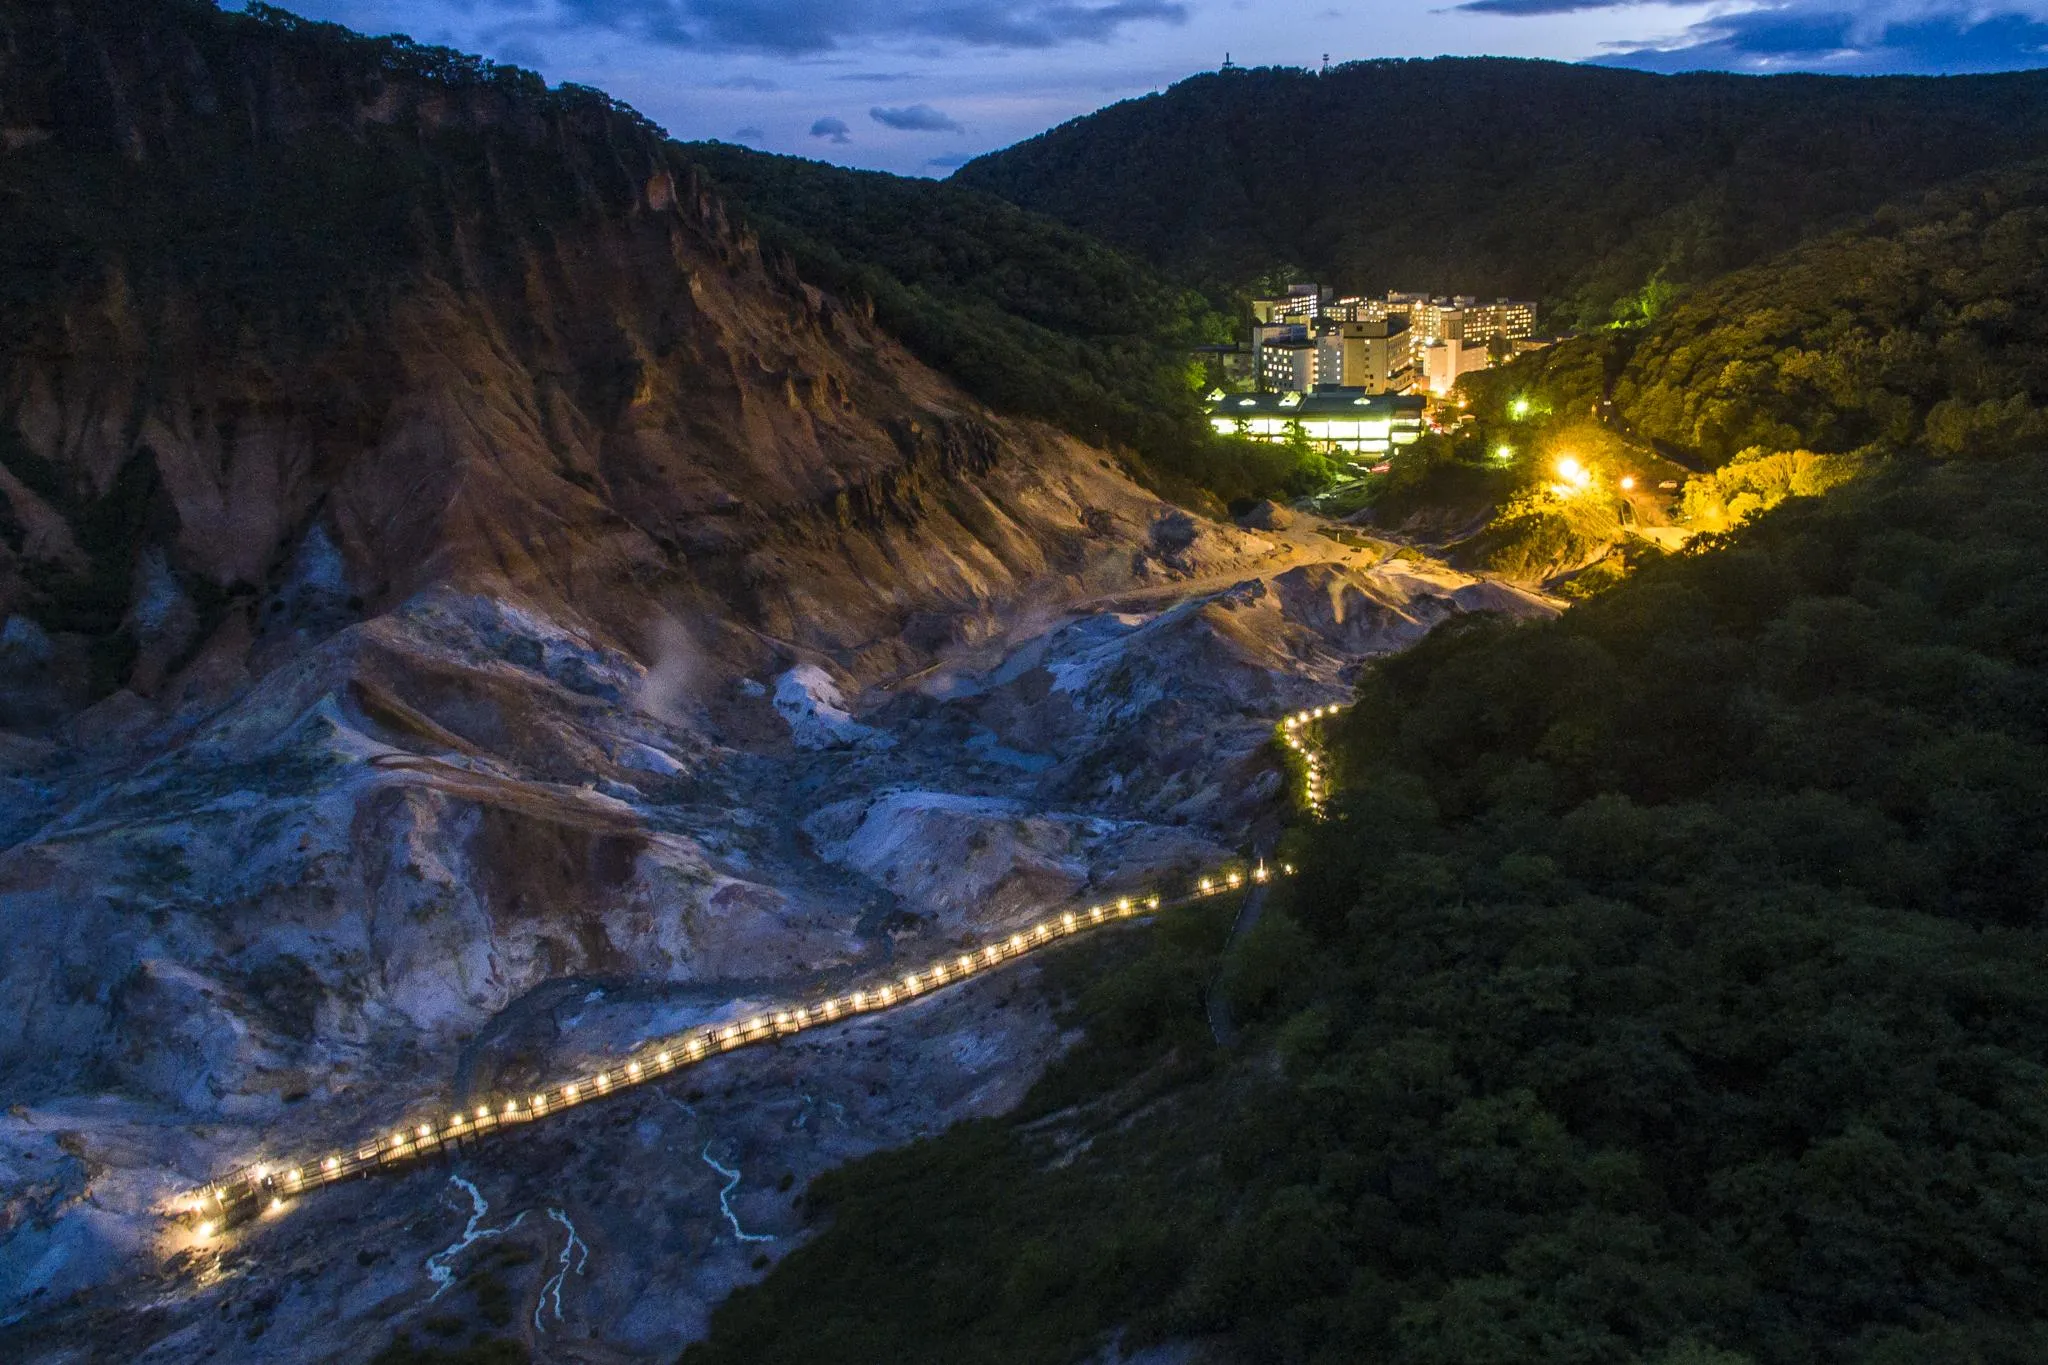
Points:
(551, 367)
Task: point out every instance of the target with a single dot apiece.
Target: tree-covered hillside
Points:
(1922, 328)
(1926, 325)
(1664, 985)
(1576, 185)
(1032, 316)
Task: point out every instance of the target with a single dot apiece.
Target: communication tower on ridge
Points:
(1229, 65)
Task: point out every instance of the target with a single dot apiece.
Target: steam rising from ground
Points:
(669, 691)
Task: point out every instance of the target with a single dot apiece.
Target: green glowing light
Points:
(1519, 408)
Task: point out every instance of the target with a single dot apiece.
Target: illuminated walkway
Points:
(270, 1187)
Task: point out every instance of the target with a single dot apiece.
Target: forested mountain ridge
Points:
(1576, 185)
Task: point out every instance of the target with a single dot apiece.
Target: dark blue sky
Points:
(919, 85)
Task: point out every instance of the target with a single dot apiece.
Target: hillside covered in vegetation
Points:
(1594, 190)
(1032, 316)
(1663, 984)
(1918, 329)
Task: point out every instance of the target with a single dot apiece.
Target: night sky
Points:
(918, 86)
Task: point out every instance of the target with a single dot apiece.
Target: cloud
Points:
(876, 77)
(833, 128)
(751, 134)
(745, 83)
(808, 26)
(519, 52)
(1846, 36)
(917, 118)
(1529, 7)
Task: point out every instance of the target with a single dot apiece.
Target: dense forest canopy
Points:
(1581, 186)
(1924, 326)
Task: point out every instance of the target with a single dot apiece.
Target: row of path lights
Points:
(267, 1189)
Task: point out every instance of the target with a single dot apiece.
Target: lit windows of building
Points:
(1374, 356)
(1288, 366)
(1346, 423)
(1301, 303)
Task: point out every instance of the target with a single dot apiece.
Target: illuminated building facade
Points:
(1375, 356)
(1288, 366)
(1365, 427)
(1301, 303)
(1443, 362)
(1396, 343)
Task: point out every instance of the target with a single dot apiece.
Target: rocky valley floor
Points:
(460, 849)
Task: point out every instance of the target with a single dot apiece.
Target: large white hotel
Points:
(1393, 344)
